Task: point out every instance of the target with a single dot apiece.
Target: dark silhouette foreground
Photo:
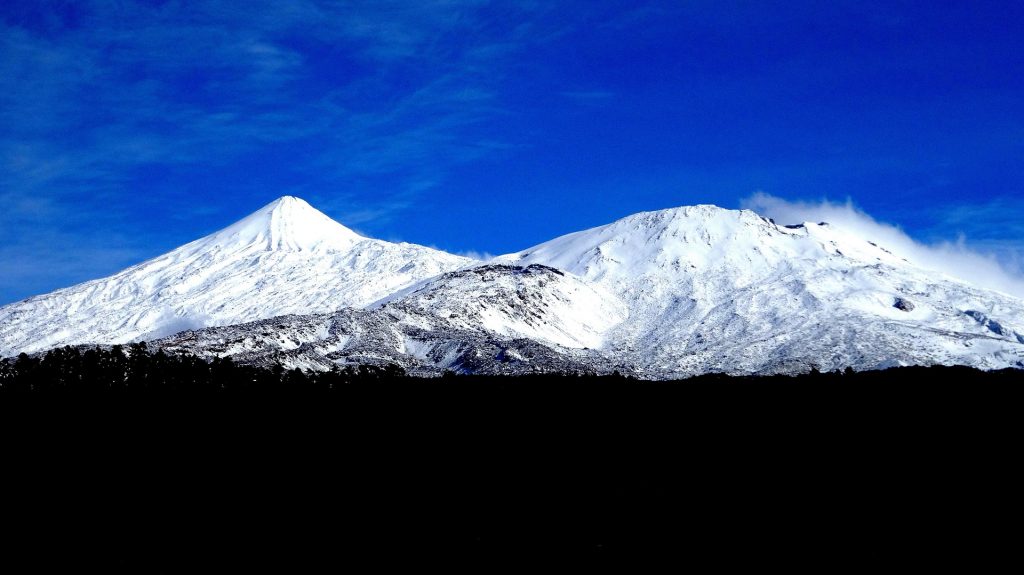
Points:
(128, 460)
(136, 370)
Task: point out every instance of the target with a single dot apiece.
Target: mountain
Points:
(490, 319)
(662, 294)
(285, 258)
(535, 302)
(710, 289)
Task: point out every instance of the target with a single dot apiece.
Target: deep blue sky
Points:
(127, 129)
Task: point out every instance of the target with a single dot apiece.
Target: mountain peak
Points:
(699, 214)
(287, 224)
(685, 236)
(290, 202)
(285, 258)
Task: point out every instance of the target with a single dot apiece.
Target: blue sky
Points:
(129, 128)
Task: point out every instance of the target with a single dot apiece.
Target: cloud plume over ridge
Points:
(955, 259)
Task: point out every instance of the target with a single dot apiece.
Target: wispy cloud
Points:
(955, 254)
(91, 92)
(28, 264)
(996, 218)
(475, 255)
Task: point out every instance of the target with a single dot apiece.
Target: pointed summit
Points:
(286, 224)
(284, 258)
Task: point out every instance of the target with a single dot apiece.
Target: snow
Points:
(713, 289)
(661, 294)
(538, 303)
(286, 224)
(285, 258)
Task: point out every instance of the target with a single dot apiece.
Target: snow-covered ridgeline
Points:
(286, 258)
(662, 294)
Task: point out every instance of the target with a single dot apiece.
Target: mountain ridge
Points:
(662, 294)
(730, 290)
(286, 257)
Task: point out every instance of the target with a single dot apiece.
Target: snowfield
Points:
(286, 258)
(710, 289)
(660, 294)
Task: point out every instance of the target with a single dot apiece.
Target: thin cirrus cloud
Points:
(971, 261)
(387, 114)
(121, 83)
(93, 92)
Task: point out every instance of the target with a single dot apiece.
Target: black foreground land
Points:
(150, 463)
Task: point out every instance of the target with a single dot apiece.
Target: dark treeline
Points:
(138, 369)
(153, 462)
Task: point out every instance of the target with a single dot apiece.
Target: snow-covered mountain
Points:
(487, 319)
(710, 289)
(285, 258)
(534, 302)
(659, 294)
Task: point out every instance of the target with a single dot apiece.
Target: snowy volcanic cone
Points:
(661, 294)
(710, 289)
(285, 258)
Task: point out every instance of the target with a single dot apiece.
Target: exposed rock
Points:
(992, 325)
(903, 305)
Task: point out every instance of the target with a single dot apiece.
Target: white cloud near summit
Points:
(954, 258)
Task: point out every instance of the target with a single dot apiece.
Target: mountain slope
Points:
(659, 294)
(662, 295)
(488, 319)
(535, 302)
(285, 258)
(710, 289)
